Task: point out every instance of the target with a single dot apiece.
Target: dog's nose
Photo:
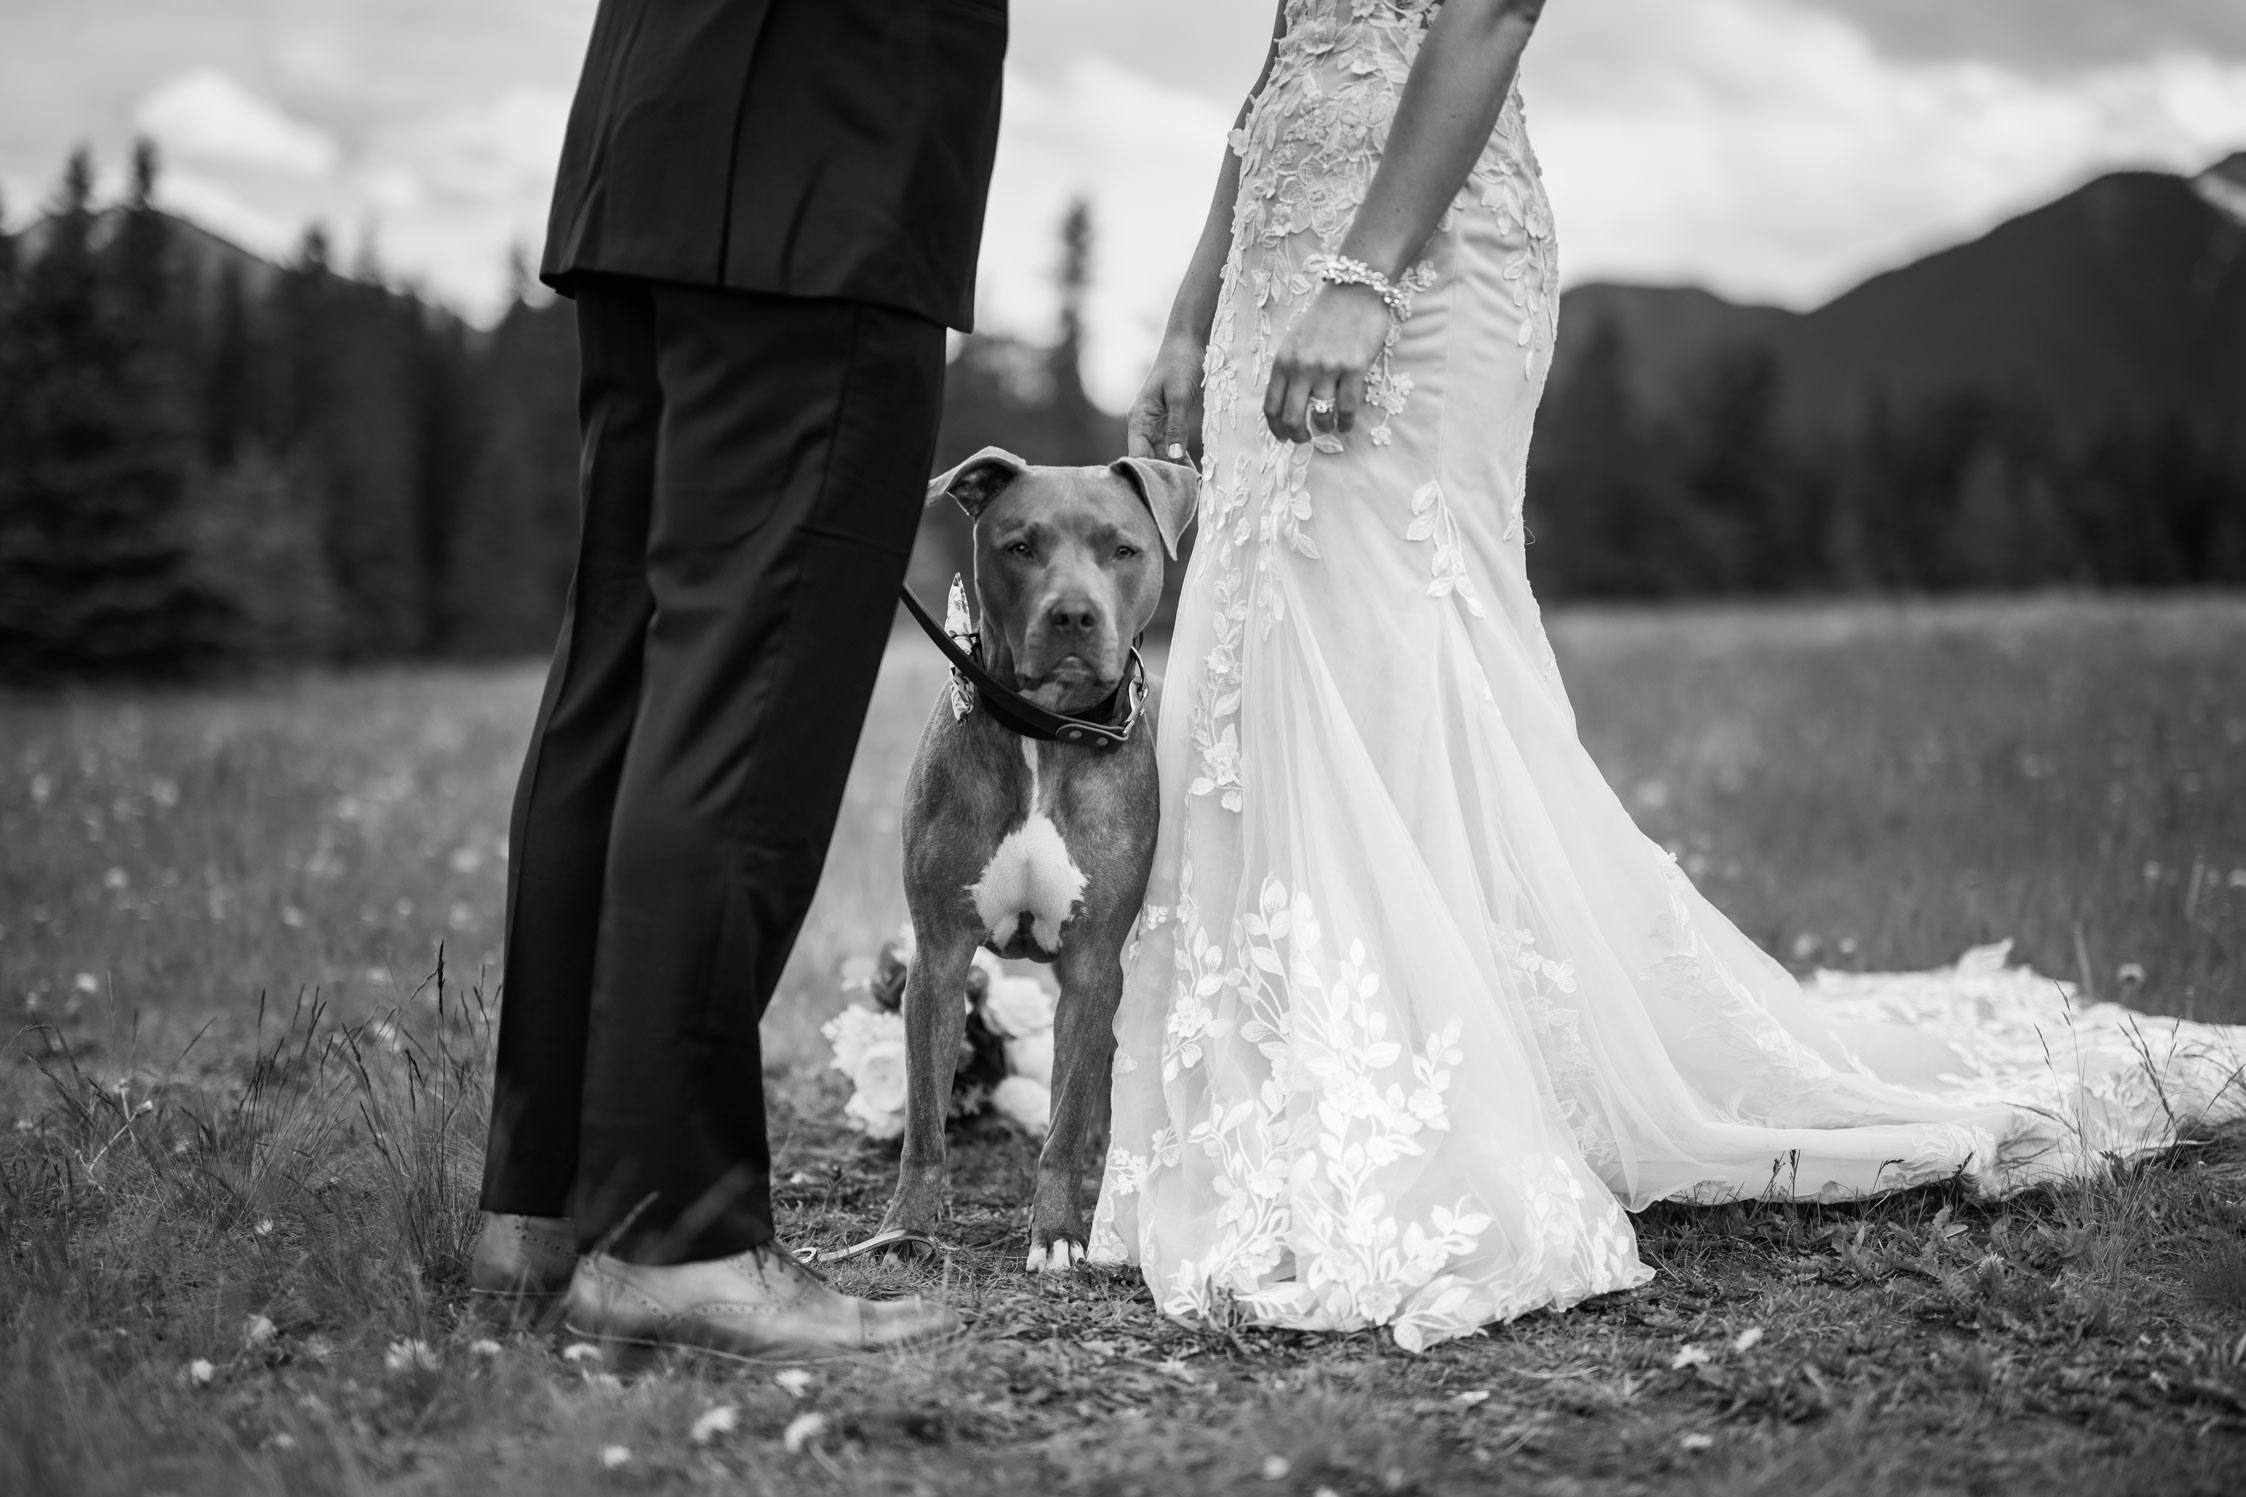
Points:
(1072, 617)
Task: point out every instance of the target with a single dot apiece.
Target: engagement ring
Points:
(1320, 406)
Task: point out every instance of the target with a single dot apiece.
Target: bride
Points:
(1416, 1014)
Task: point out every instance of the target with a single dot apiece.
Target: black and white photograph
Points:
(1123, 748)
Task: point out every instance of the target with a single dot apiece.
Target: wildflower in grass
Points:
(1698, 1442)
(264, 1227)
(580, 1351)
(485, 1347)
(795, 1380)
(258, 1331)
(1688, 1356)
(1471, 1397)
(410, 1355)
(802, 1430)
(199, 1373)
(614, 1457)
(317, 1349)
(1746, 1339)
(86, 982)
(1275, 1468)
(721, 1420)
(292, 917)
(281, 1440)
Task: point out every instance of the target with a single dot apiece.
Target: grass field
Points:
(238, 1188)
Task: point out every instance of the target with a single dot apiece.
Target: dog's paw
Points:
(1058, 1256)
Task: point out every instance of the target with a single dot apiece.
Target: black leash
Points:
(1017, 714)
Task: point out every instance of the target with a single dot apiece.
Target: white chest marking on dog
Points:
(1030, 874)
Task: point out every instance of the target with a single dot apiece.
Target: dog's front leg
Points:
(935, 1024)
(1083, 1055)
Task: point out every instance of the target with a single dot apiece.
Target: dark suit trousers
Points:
(752, 476)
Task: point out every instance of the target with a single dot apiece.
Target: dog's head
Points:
(1068, 563)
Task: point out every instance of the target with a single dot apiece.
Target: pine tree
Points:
(94, 548)
(230, 372)
(1081, 431)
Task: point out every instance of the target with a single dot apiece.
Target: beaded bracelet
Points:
(1340, 270)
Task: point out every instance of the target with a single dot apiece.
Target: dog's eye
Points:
(1021, 548)
(1125, 553)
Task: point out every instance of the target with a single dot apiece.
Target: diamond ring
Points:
(1321, 406)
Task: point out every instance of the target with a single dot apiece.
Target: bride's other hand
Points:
(1325, 357)
(1168, 410)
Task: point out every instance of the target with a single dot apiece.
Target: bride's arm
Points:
(1168, 409)
(1451, 102)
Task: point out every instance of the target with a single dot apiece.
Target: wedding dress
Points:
(1415, 1013)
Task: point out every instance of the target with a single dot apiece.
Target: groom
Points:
(767, 212)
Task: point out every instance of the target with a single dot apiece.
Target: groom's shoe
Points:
(758, 1306)
(522, 1265)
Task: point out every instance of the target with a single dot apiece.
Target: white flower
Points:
(410, 1356)
(1031, 1057)
(484, 1348)
(882, 1076)
(1698, 1442)
(856, 1028)
(1275, 1468)
(802, 1430)
(1025, 1103)
(878, 1105)
(795, 1381)
(199, 1373)
(614, 1456)
(869, 1048)
(1687, 1356)
(257, 1331)
(1019, 1006)
(580, 1351)
(1746, 1339)
(1471, 1397)
(721, 1420)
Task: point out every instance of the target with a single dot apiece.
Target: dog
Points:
(1037, 849)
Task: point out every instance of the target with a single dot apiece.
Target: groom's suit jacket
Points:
(815, 148)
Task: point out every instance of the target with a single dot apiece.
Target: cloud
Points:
(1774, 153)
(1774, 149)
(2042, 36)
(205, 117)
(1145, 155)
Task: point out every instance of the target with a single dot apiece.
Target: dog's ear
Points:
(977, 481)
(1170, 490)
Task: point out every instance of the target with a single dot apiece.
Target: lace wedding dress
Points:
(1415, 1012)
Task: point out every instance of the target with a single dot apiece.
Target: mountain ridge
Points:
(2124, 299)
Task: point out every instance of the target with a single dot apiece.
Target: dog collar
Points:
(1097, 729)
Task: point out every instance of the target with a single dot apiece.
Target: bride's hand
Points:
(1168, 410)
(1326, 356)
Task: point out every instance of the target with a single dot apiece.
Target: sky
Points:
(1771, 150)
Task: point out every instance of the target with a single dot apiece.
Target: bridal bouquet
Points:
(1005, 1057)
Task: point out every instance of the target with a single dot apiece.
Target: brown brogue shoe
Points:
(522, 1266)
(757, 1306)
